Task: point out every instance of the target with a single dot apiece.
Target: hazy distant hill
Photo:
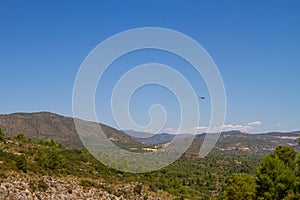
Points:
(237, 142)
(138, 134)
(45, 125)
(156, 139)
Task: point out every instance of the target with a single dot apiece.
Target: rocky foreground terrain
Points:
(16, 186)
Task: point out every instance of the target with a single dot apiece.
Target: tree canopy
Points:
(277, 177)
(240, 186)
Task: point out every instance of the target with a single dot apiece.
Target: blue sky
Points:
(255, 45)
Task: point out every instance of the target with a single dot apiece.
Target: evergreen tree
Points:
(240, 186)
(276, 175)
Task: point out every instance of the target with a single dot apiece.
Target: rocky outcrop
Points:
(18, 187)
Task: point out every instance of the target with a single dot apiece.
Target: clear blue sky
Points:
(255, 45)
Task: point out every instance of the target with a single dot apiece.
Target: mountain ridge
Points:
(47, 125)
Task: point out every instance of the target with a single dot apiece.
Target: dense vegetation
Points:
(277, 177)
(235, 176)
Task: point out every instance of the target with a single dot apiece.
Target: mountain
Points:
(41, 170)
(156, 139)
(138, 134)
(46, 125)
(234, 141)
(46, 170)
(239, 142)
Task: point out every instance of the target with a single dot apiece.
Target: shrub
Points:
(87, 183)
(21, 163)
(21, 137)
(2, 136)
(42, 186)
(138, 189)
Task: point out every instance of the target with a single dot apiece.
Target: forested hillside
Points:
(237, 168)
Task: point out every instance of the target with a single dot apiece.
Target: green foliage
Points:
(153, 187)
(21, 163)
(42, 186)
(51, 143)
(286, 154)
(187, 178)
(50, 160)
(2, 136)
(21, 137)
(277, 175)
(32, 185)
(138, 189)
(30, 140)
(240, 186)
(88, 183)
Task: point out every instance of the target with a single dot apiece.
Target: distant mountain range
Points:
(237, 142)
(157, 138)
(149, 138)
(45, 125)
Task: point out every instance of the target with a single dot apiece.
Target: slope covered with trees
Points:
(42, 164)
(277, 177)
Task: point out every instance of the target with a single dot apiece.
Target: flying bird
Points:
(201, 97)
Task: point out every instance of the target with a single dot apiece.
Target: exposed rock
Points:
(25, 187)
